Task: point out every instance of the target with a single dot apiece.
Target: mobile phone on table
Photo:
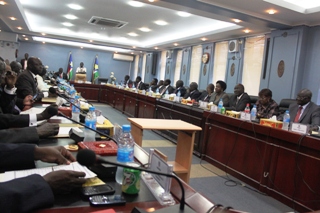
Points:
(97, 190)
(107, 200)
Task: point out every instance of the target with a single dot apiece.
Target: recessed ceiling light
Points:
(70, 16)
(133, 47)
(183, 14)
(23, 35)
(13, 18)
(3, 3)
(67, 24)
(91, 40)
(19, 28)
(135, 3)
(246, 31)
(43, 42)
(140, 51)
(43, 34)
(133, 34)
(236, 20)
(151, 0)
(203, 39)
(175, 44)
(161, 23)
(26, 39)
(271, 12)
(81, 47)
(132, 53)
(144, 29)
(75, 6)
(156, 48)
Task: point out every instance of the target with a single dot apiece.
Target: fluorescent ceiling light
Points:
(305, 6)
(75, 6)
(78, 44)
(70, 16)
(144, 29)
(183, 14)
(133, 34)
(161, 23)
(67, 24)
(135, 3)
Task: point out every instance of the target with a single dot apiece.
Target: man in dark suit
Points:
(60, 74)
(27, 84)
(180, 88)
(139, 84)
(239, 100)
(166, 87)
(153, 84)
(127, 82)
(205, 96)
(193, 93)
(32, 192)
(305, 111)
(24, 61)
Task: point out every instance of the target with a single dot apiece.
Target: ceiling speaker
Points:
(233, 46)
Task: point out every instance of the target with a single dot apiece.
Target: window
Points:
(178, 66)
(220, 61)
(195, 64)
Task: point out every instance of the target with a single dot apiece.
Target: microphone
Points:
(87, 158)
(100, 133)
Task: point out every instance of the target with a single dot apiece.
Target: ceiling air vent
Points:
(107, 22)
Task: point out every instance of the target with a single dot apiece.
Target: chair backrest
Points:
(285, 103)
(253, 100)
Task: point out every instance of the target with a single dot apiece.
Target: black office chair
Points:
(284, 104)
(253, 100)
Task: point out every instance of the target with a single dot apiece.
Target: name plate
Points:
(214, 108)
(245, 116)
(299, 128)
(159, 165)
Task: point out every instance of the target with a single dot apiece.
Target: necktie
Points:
(296, 119)
(36, 82)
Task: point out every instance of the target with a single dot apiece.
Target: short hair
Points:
(241, 85)
(139, 78)
(211, 86)
(194, 84)
(168, 80)
(222, 84)
(155, 80)
(307, 93)
(265, 92)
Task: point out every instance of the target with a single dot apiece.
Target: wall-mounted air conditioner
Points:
(123, 57)
(233, 46)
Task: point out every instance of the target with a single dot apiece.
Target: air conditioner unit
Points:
(123, 57)
(233, 46)
(106, 22)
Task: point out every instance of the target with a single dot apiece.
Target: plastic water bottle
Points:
(179, 94)
(157, 91)
(286, 120)
(220, 105)
(247, 109)
(90, 121)
(125, 150)
(76, 109)
(253, 112)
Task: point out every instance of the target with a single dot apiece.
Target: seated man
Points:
(30, 133)
(16, 67)
(60, 74)
(32, 192)
(166, 87)
(219, 93)
(193, 92)
(266, 106)
(153, 84)
(27, 82)
(305, 111)
(127, 82)
(139, 84)
(180, 88)
(239, 100)
(205, 96)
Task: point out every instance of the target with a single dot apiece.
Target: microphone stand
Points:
(100, 133)
(61, 96)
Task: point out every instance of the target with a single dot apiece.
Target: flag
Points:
(70, 66)
(95, 73)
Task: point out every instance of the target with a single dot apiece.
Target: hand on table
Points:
(56, 154)
(47, 129)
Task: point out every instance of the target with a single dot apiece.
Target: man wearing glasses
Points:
(305, 111)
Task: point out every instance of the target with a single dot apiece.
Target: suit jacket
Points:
(204, 97)
(13, 121)
(233, 105)
(164, 89)
(141, 86)
(26, 85)
(154, 88)
(20, 135)
(7, 102)
(311, 114)
(23, 194)
(182, 90)
(64, 75)
(129, 82)
(224, 96)
(195, 94)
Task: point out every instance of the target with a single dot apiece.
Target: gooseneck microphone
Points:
(87, 158)
(100, 133)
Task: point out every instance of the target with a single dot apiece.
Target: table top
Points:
(163, 124)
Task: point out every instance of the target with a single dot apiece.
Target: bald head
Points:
(35, 65)
(304, 97)
(15, 67)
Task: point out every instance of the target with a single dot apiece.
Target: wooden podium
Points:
(185, 142)
(81, 77)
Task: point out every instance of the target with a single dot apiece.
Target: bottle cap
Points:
(126, 128)
(92, 108)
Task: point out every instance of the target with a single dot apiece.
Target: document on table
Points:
(74, 166)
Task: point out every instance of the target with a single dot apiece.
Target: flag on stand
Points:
(95, 73)
(70, 66)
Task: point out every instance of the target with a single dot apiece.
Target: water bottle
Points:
(90, 121)
(286, 120)
(220, 105)
(157, 91)
(253, 112)
(76, 109)
(247, 109)
(179, 94)
(125, 150)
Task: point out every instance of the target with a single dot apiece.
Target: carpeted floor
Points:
(205, 178)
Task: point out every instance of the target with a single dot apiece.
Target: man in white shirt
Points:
(81, 69)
